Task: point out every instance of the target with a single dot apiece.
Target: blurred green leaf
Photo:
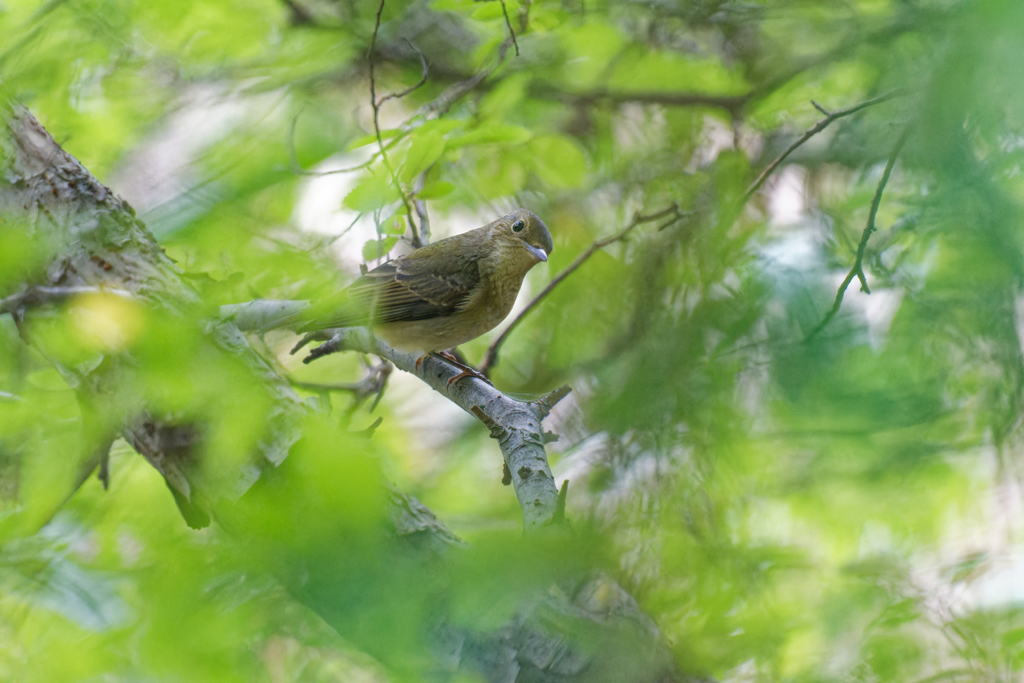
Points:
(426, 149)
(374, 191)
(435, 190)
(558, 161)
(490, 133)
(375, 249)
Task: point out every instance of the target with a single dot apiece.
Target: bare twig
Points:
(858, 265)
(491, 357)
(811, 132)
(547, 402)
(368, 432)
(440, 105)
(374, 383)
(297, 168)
(411, 88)
(421, 208)
(563, 494)
(38, 295)
(416, 243)
(508, 23)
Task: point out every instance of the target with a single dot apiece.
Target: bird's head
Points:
(524, 228)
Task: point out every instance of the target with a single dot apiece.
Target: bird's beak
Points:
(536, 251)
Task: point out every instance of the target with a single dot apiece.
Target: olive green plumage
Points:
(446, 293)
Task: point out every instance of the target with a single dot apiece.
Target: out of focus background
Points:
(788, 494)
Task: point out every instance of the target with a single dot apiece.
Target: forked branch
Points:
(811, 132)
(375, 104)
(858, 265)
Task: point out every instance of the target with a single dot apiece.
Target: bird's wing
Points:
(431, 282)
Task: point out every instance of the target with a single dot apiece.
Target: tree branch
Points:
(440, 105)
(416, 243)
(417, 85)
(515, 424)
(297, 167)
(811, 132)
(83, 226)
(858, 265)
(375, 382)
(491, 357)
(421, 208)
(508, 22)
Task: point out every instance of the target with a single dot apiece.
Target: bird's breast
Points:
(501, 278)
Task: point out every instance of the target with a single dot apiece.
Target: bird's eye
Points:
(518, 226)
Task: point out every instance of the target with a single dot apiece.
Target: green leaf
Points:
(492, 133)
(364, 140)
(395, 226)
(558, 161)
(487, 11)
(374, 249)
(667, 72)
(451, 5)
(426, 149)
(373, 192)
(505, 96)
(590, 49)
(500, 174)
(438, 188)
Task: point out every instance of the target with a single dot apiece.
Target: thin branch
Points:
(7, 396)
(440, 105)
(368, 432)
(297, 167)
(380, 142)
(508, 23)
(491, 357)
(375, 382)
(421, 208)
(411, 88)
(858, 266)
(563, 494)
(811, 132)
(546, 403)
(354, 387)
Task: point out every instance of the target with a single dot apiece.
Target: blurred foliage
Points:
(844, 507)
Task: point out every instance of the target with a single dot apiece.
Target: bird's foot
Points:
(468, 372)
(465, 370)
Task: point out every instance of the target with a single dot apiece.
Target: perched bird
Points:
(446, 293)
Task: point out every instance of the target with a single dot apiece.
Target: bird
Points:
(443, 294)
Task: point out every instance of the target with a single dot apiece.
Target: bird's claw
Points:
(467, 372)
(464, 370)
